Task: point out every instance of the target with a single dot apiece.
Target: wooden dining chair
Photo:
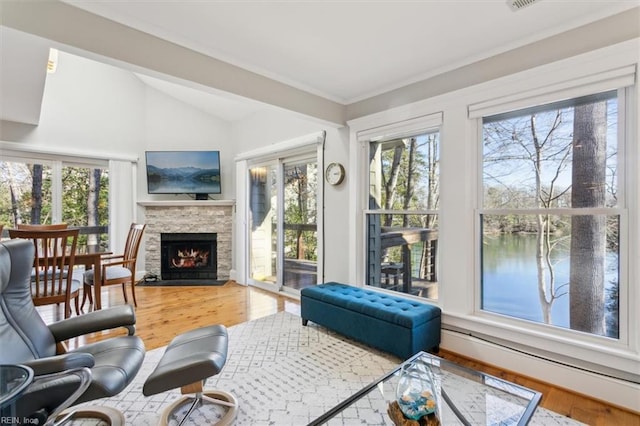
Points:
(118, 269)
(52, 280)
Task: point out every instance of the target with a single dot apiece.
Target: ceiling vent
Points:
(519, 4)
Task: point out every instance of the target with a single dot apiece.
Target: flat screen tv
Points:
(183, 172)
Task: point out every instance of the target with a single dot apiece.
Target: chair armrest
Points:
(54, 364)
(124, 263)
(111, 257)
(91, 322)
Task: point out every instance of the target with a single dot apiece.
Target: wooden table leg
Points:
(97, 283)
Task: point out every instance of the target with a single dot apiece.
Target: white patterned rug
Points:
(282, 374)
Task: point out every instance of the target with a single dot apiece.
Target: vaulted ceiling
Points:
(341, 52)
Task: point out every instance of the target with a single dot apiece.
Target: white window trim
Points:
(577, 87)
(574, 88)
(596, 353)
(410, 127)
(58, 154)
(426, 122)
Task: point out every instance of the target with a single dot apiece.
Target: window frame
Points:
(56, 165)
(625, 339)
(122, 180)
(426, 125)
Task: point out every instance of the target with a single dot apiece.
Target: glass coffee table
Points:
(14, 379)
(465, 397)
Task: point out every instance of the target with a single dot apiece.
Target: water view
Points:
(509, 278)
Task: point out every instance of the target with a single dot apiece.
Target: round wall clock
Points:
(334, 174)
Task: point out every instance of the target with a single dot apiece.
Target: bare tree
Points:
(409, 190)
(513, 144)
(588, 232)
(36, 194)
(391, 183)
(15, 191)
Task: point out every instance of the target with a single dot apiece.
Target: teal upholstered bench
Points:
(390, 323)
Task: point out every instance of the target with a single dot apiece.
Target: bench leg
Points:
(305, 321)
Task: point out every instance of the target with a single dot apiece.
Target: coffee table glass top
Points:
(13, 380)
(465, 397)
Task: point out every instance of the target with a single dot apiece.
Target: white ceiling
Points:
(228, 108)
(341, 50)
(350, 50)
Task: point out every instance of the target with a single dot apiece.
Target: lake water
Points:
(510, 278)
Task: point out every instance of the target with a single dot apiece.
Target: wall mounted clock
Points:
(334, 174)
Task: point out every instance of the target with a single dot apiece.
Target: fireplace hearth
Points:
(188, 256)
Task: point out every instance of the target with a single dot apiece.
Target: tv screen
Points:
(183, 172)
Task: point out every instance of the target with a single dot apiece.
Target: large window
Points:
(53, 191)
(551, 215)
(402, 219)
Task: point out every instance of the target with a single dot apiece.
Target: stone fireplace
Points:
(192, 218)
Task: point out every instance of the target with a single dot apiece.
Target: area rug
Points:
(282, 374)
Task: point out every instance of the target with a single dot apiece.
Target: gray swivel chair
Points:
(96, 370)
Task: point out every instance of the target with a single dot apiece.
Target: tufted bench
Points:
(393, 324)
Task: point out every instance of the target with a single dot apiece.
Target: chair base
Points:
(109, 415)
(212, 396)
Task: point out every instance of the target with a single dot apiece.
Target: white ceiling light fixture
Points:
(519, 4)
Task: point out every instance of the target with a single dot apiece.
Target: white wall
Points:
(88, 107)
(172, 125)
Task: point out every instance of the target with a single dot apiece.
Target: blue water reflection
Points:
(510, 278)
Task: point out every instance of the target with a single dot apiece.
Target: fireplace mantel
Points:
(183, 203)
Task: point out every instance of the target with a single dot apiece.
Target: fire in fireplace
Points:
(188, 256)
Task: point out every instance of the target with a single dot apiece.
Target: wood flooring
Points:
(164, 312)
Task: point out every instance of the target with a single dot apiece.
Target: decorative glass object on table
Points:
(418, 390)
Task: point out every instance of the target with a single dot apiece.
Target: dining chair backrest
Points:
(40, 227)
(134, 238)
(52, 277)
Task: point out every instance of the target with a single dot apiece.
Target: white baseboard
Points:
(613, 391)
(233, 274)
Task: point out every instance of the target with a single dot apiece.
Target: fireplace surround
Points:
(189, 216)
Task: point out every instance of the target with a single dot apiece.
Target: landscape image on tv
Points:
(183, 172)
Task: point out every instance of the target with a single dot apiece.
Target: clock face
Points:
(334, 173)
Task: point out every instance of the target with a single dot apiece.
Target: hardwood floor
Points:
(164, 312)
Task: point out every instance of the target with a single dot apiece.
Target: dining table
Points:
(91, 257)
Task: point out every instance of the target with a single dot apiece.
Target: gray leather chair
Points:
(106, 367)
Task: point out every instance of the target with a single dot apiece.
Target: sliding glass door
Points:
(283, 230)
(300, 246)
